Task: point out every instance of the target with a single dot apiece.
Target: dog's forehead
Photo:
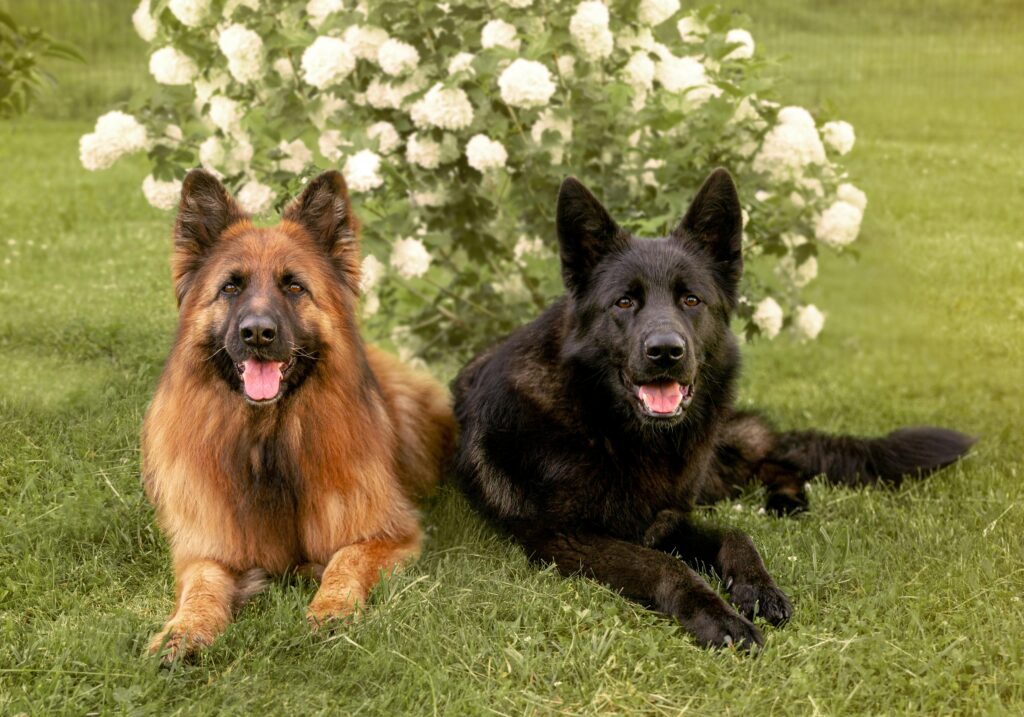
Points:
(658, 262)
(265, 247)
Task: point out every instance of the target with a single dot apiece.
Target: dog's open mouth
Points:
(663, 398)
(262, 380)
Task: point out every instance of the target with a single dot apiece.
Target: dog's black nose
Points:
(665, 349)
(257, 330)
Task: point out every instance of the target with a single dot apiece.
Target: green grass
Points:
(907, 601)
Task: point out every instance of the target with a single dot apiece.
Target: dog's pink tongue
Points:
(662, 397)
(262, 379)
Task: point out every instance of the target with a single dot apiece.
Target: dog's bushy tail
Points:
(786, 461)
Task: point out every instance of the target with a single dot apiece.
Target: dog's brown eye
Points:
(624, 303)
(691, 300)
(295, 288)
(229, 288)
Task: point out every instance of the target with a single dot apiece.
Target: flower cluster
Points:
(454, 124)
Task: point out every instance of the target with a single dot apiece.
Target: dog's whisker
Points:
(211, 356)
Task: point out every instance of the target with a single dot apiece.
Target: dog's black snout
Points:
(665, 349)
(257, 330)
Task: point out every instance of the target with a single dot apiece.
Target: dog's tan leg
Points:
(205, 594)
(353, 571)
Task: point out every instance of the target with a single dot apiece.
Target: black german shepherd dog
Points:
(591, 433)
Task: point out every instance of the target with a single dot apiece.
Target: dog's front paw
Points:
(787, 502)
(723, 627)
(764, 600)
(333, 607)
(178, 642)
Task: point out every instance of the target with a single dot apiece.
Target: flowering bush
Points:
(454, 124)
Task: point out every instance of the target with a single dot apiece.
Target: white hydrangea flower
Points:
(525, 246)
(639, 39)
(162, 195)
(692, 29)
(650, 179)
(548, 121)
(839, 136)
(811, 186)
(383, 95)
(207, 88)
(226, 114)
(327, 62)
(320, 10)
(212, 153)
(589, 30)
(433, 198)
(397, 58)
(115, 135)
(768, 317)
(370, 274)
(327, 108)
(809, 321)
(800, 275)
(746, 44)
(655, 12)
(386, 135)
(170, 66)
(365, 41)
(255, 198)
(796, 116)
(283, 67)
(518, 4)
(498, 33)
(371, 304)
(244, 50)
(215, 155)
(444, 108)
(566, 66)
(526, 84)
(410, 258)
(462, 62)
(684, 74)
(330, 143)
(639, 71)
(790, 145)
(144, 22)
(746, 113)
(838, 225)
(173, 133)
(362, 171)
(850, 194)
(484, 154)
(424, 152)
(296, 156)
(190, 13)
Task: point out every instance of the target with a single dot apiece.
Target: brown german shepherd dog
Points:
(277, 441)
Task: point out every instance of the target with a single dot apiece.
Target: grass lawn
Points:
(907, 601)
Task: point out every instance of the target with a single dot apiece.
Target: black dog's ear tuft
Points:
(714, 225)
(586, 233)
(205, 211)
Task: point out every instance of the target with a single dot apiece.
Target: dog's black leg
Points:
(651, 577)
(731, 553)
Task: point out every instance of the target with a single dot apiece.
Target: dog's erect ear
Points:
(204, 212)
(714, 225)
(323, 210)
(586, 233)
